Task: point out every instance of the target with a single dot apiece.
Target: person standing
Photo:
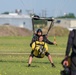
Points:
(71, 44)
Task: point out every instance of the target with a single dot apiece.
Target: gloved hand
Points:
(53, 65)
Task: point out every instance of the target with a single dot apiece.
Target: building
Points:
(66, 23)
(15, 19)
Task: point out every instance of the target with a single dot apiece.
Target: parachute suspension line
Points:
(22, 3)
(52, 23)
(33, 26)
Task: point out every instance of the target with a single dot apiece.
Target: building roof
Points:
(14, 15)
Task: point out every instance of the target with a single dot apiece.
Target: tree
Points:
(5, 12)
(70, 15)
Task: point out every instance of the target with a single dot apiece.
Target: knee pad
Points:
(47, 53)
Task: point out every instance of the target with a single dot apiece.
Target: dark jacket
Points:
(36, 37)
(71, 42)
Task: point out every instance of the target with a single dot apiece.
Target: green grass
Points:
(14, 44)
(16, 64)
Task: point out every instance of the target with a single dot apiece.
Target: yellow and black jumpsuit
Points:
(36, 46)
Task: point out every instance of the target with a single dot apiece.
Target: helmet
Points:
(39, 30)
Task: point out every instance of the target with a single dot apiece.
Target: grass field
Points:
(14, 53)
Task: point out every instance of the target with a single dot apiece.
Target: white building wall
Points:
(73, 23)
(63, 23)
(66, 23)
(17, 20)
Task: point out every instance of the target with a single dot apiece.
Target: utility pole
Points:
(44, 13)
(30, 12)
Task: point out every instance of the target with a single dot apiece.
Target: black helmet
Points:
(39, 30)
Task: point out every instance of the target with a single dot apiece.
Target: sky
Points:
(46, 8)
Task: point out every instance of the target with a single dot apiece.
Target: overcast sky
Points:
(51, 7)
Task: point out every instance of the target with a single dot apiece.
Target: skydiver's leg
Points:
(30, 59)
(50, 59)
